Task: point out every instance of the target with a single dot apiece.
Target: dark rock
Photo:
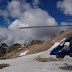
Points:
(62, 32)
(13, 47)
(3, 47)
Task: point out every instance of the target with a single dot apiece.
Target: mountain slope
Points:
(29, 64)
(37, 46)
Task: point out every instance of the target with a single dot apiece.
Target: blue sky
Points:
(19, 13)
(48, 5)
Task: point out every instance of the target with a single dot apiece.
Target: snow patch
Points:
(46, 54)
(24, 53)
(19, 48)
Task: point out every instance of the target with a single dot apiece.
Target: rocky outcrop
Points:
(62, 32)
(33, 42)
(3, 47)
(13, 47)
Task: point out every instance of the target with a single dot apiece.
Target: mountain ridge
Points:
(36, 46)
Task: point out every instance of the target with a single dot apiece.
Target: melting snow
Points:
(24, 53)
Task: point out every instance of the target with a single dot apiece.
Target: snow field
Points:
(28, 64)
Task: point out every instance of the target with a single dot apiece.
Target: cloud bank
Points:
(26, 14)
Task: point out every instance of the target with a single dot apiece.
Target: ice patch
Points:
(24, 53)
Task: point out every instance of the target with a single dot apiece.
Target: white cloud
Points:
(27, 16)
(35, 3)
(14, 9)
(34, 17)
(5, 14)
(65, 6)
(6, 36)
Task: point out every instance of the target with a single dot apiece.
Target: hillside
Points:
(35, 46)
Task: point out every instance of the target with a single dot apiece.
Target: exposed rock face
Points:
(2, 51)
(33, 42)
(3, 47)
(13, 47)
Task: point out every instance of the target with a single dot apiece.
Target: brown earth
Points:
(3, 65)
